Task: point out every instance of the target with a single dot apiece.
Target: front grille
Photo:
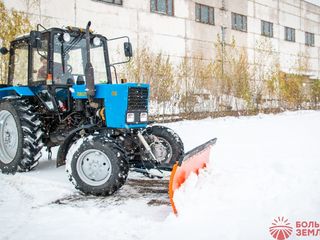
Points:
(137, 99)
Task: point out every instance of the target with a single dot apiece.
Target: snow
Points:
(262, 167)
(73, 149)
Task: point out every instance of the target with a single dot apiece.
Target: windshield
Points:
(70, 59)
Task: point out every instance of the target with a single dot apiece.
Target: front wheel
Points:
(96, 166)
(165, 144)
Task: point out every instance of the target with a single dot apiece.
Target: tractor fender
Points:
(68, 141)
(15, 91)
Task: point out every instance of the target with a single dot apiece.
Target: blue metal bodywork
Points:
(115, 97)
(115, 102)
(16, 90)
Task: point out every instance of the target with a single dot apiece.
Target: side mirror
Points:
(35, 39)
(4, 50)
(127, 49)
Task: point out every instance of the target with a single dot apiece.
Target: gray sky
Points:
(314, 1)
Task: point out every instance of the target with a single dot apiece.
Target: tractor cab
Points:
(58, 57)
(48, 63)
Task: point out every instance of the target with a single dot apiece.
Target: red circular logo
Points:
(280, 228)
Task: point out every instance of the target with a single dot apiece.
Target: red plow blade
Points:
(191, 162)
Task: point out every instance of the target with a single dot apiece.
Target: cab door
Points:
(39, 63)
(19, 62)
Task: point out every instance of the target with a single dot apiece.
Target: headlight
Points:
(144, 117)
(66, 37)
(130, 117)
(97, 41)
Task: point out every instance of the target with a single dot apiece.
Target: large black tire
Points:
(96, 166)
(165, 144)
(26, 125)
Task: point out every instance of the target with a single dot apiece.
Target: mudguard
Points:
(191, 162)
(69, 140)
(16, 90)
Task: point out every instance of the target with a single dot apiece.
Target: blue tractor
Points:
(61, 91)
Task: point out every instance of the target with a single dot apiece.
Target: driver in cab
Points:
(62, 76)
(42, 72)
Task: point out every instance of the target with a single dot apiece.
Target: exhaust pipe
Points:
(89, 68)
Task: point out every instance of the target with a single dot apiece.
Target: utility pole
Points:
(223, 35)
(223, 41)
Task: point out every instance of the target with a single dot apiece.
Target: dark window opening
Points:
(118, 2)
(309, 39)
(266, 29)
(204, 14)
(290, 34)
(162, 6)
(239, 22)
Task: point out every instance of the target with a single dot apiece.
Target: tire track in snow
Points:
(153, 191)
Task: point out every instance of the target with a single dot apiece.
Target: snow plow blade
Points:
(192, 161)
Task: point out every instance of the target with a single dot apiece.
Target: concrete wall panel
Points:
(180, 34)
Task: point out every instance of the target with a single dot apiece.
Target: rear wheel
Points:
(20, 136)
(97, 166)
(166, 146)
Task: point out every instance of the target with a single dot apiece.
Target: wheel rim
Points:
(8, 137)
(162, 150)
(94, 167)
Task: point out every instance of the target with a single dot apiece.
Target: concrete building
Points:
(190, 27)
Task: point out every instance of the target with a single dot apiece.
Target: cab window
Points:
(20, 68)
(40, 63)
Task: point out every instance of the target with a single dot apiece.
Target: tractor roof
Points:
(71, 30)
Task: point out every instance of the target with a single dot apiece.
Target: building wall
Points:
(180, 35)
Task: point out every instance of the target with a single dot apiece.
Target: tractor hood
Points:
(120, 100)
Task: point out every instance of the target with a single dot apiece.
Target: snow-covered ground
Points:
(262, 167)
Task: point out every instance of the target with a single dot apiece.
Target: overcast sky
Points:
(314, 1)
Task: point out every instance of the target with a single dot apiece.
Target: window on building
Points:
(290, 34)
(119, 2)
(162, 6)
(266, 28)
(239, 22)
(310, 39)
(204, 14)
